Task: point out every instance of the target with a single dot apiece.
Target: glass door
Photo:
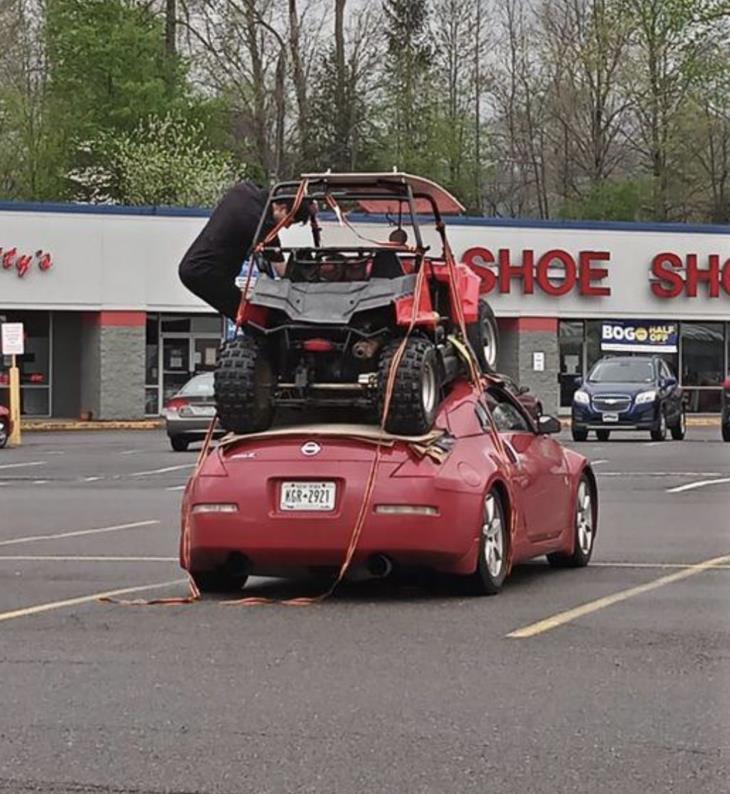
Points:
(176, 365)
(570, 340)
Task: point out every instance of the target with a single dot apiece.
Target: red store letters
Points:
(557, 272)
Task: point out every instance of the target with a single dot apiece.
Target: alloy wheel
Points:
(584, 517)
(493, 533)
(490, 344)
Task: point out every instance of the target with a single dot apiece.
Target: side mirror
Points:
(578, 380)
(523, 389)
(668, 383)
(549, 425)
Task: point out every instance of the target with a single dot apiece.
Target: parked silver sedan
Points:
(189, 412)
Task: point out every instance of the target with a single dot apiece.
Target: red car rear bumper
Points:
(270, 538)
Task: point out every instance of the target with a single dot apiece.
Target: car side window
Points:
(666, 372)
(508, 416)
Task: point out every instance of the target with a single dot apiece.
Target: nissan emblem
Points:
(311, 448)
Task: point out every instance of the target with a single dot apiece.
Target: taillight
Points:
(174, 405)
(317, 345)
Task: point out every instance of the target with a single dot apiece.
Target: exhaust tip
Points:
(379, 566)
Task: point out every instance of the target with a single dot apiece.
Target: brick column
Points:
(519, 338)
(113, 364)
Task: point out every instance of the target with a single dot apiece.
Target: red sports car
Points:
(465, 499)
(5, 426)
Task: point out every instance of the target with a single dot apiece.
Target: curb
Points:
(31, 426)
(692, 421)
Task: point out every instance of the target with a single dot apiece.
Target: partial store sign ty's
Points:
(22, 263)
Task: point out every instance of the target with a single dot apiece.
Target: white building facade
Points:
(112, 333)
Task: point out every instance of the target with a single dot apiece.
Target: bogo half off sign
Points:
(13, 339)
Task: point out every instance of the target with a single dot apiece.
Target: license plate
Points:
(610, 417)
(307, 496)
(202, 410)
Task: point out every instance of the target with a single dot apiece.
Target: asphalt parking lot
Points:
(381, 688)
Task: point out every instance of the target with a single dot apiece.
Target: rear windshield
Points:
(199, 386)
(622, 372)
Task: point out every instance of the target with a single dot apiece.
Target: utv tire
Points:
(483, 336)
(244, 386)
(415, 397)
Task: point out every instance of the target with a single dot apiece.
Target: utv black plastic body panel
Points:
(329, 303)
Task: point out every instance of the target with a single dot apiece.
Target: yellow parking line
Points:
(601, 603)
(71, 602)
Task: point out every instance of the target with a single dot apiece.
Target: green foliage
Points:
(163, 161)
(611, 201)
(109, 68)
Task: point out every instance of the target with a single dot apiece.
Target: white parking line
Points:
(85, 599)
(633, 474)
(76, 533)
(20, 465)
(91, 479)
(80, 558)
(40, 482)
(175, 488)
(163, 471)
(599, 461)
(561, 618)
(690, 486)
(130, 452)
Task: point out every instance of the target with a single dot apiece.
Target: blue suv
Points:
(629, 393)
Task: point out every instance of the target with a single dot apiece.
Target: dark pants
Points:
(213, 261)
(215, 285)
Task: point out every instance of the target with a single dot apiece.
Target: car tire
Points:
(244, 387)
(584, 529)
(3, 434)
(483, 337)
(218, 581)
(579, 434)
(492, 565)
(416, 388)
(660, 433)
(603, 435)
(179, 444)
(680, 429)
(726, 432)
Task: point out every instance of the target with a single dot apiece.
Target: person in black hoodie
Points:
(211, 264)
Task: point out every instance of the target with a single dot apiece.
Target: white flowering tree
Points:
(163, 161)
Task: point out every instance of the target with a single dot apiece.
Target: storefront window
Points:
(703, 365)
(570, 338)
(703, 353)
(34, 364)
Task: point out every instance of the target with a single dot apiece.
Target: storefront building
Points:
(111, 333)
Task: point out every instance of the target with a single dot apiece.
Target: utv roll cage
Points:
(388, 194)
